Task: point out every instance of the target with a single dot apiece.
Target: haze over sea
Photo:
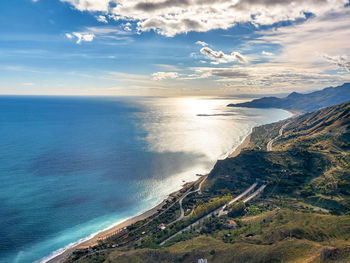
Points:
(72, 166)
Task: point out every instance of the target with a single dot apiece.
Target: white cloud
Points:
(83, 37)
(101, 32)
(80, 36)
(340, 61)
(219, 57)
(171, 17)
(68, 35)
(268, 77)
(127, 27)
(102, 19)
(203, 44)
(265, 53)
(164, 75)
(303, 43)
(90, 5)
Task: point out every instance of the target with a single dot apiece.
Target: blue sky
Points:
(172, 47)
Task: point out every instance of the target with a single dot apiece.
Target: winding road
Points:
(219, 211)
(182, 212)
(280, 133)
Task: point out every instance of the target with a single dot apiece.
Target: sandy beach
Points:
(106, 233)
(240, 147)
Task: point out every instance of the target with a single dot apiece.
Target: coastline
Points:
(104, 234)
(240, 147)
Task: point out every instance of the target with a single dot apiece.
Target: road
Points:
(219, 210)
(182, 212)
(261, 188)
(238, 197)
(280, 133)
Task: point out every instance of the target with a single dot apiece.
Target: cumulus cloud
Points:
(340, 61)
(171, 17)
(127, 27)
(219, 57)
(164, 75)
(203, 44)
(80, 36)
(102, 19)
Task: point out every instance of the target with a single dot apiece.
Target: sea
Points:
(73, 166)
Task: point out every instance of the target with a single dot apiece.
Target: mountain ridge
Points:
(302, 102)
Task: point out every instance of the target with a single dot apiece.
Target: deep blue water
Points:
(72, 166)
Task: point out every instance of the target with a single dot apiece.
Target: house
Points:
(231, 224)
(162, 226)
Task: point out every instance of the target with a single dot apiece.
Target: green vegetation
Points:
(275, 236)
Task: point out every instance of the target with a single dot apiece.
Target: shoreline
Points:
(104, 234)
(240, 147)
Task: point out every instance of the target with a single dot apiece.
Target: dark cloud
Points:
(149, 6)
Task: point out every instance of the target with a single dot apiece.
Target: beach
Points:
(106, 233)
(240, 147)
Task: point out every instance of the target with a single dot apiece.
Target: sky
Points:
(173, 47)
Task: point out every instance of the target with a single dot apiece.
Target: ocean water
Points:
(72, 166)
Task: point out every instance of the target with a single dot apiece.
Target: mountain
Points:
(312, 152)
(302, 102)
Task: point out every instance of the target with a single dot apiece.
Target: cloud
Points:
(270, 77)
(68, 35)
(164, 75)
(340, 61)
(81, 36)
(230, 73)
(30, 84)
(101, 32)
(90, 5)
(127, 27)
(303, 43)
(102, 19)
(265, 53)
(219, 57)
(171, 17)
(203, 44)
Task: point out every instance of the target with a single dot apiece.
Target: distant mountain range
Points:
(302, 102)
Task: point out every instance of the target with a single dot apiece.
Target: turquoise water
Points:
(70, 167)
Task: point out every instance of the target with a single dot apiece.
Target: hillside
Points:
(302, 215)
(302, 102)
(309, 161)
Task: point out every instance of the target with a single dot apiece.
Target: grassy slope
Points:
(275, 236)
(308, 169)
